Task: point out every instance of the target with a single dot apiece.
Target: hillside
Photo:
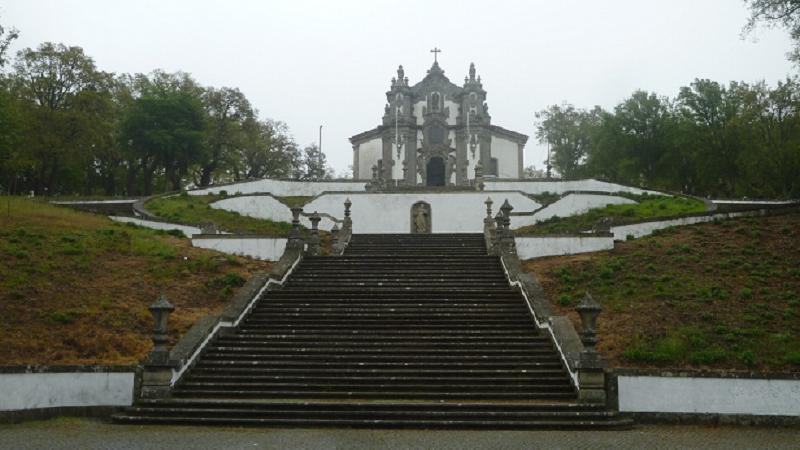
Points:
(75, 287)
(720, 295)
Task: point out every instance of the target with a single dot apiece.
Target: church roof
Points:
(436, 80)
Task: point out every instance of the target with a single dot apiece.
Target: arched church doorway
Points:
(435, 172)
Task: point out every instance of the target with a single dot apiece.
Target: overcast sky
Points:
(330, 62)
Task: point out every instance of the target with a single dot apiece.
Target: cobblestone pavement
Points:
(79, 434)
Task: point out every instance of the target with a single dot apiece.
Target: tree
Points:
(315, 166)
(227, 111)
(165, 130)
(777, 13)
(64, 102)
(567, 131)
(268, 151)
(7, 36)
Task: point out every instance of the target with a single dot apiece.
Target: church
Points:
(435, 133)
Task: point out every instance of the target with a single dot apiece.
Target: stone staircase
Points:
(401, 331)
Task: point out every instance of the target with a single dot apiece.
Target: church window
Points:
(435, 101)
(472, 96)
(436, 135)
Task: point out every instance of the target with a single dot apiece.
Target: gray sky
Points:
(330, 62)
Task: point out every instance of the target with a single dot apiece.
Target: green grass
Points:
(648, 207)
(75, 287)
(195, 209)
(294, 201)
(689, 296)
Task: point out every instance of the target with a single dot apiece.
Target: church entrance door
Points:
(435, 172)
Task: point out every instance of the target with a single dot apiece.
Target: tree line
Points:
(67, 127)
(735, 140)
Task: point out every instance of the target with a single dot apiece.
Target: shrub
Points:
(745, 293)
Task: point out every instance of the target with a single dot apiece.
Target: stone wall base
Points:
(18, 416)
(713, 419)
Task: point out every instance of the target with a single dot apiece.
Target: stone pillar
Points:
(356, 174)
(313, 241)
(295, 236)
(591, 365)
(388, 160)
(411, 156)
(485, 143)
(461, 157)
(157, 371)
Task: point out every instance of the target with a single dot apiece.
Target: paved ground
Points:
(79, 434)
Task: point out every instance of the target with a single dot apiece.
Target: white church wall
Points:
(457, 212)
(529, 247)
(283, 188)
(368, 155)
(506, 153)
(263, 248)
(560, 187)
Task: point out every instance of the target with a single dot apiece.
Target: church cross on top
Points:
(435, 52)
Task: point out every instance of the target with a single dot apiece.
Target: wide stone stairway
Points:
(401, 331)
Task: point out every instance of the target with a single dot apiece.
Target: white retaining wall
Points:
(638, 230)
(569, 205)
(453, 212)
(20, 391)
(538, 246)
(709, 395)
(264, 248)
(560, 187)
(186, 229)
(266, 207)
(283, 188)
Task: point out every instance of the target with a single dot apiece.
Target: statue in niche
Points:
(421, 218)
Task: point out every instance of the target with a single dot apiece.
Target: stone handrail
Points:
(586, 367)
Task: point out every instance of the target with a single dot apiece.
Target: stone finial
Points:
(160, 309)
(589, 309)
(296, 211)
(488, 204)
(374, 172)
(313, 242)
(208, 228)
(348, 222)
(506, 209)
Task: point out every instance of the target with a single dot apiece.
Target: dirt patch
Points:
(74, 288)
(715, 295)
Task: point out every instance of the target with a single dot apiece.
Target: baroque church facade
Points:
(435, 133)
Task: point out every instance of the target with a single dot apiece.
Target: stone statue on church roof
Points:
(472, 71)
(400, 73)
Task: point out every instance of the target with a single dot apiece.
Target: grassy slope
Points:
(75, 287)
(194, 209)
(724, 295)
(648, 207)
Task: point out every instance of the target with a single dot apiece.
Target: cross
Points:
(435, 52)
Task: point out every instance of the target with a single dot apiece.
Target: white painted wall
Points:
(455, 212)
(187, 230)
(506, 153)
(266, 207)
(368, 155)
(19, 391)
(638, 230)
(258, 206)
(709, 395)
(560, 187)
(569, 205)
(529, 247)
(283, 188)
(266, 249)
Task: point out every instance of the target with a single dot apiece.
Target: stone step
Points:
(378, 393)
(467, 388)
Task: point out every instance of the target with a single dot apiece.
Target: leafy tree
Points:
(268, 151)
(566, 130)
(315, 166)
(228, 110)
(777, 13)
(64, 99)
(7, 36)
(165, 130)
